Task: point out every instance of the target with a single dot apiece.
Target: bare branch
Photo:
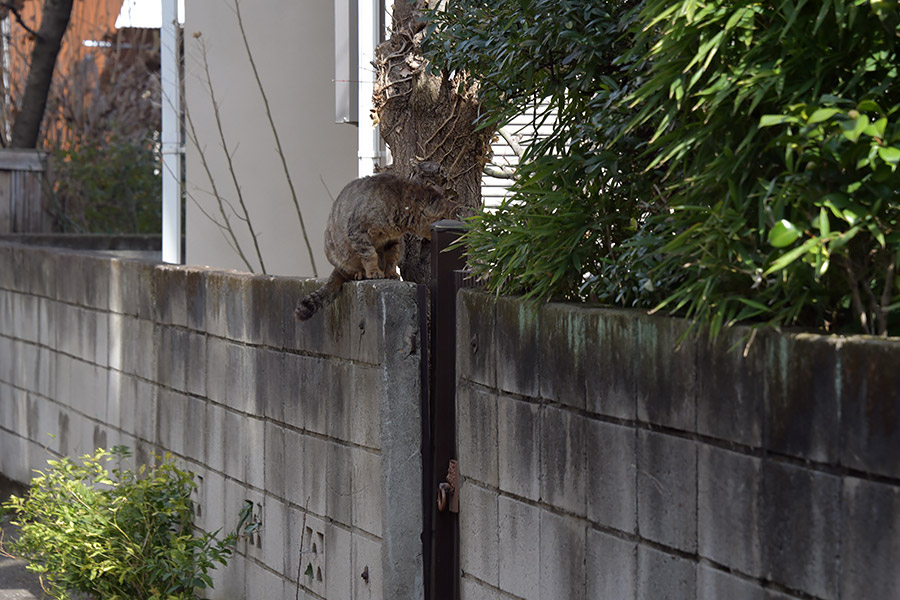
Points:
(287, 173)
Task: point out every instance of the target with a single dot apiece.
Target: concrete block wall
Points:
(317, 424)
(601, 460)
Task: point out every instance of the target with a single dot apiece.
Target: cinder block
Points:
(338, 490)
(729, 488)
(265, 325)
(563, 475)
(519, 444)
(295, 460)
(269, 382)
(518, 365)
(520, 539)
(476, 348)
(478, 533)
(169, 284)
(173, 358)
(234, 445)
(195, 428)
(196, 364)
(299, 372)
(76, 275)
(366, 326)
(327, 333)
(367, 498)
(341, 401)
(26, 371)
(314, 487)
(667, 490)
(562, 354)
(275, 515)
(89, 388)
(226, 373)
(804, 414)
(731, 385)
(23, 317)
(229, 580)
(800, 528)
(195, 287)
(139, 347)
(476, 433)
(339, 572)
(131, 288)
(136, 405)
(215, 441)
(365, 416)
(611, 468)
(254, 448)
(870, 406)
(610, 369)
(666, 380)
(367, 554)
(870, 539)
(713, 584)
(664, 576)
(611, 565)
(173, 416)
(275, 471)
(562, 557)
(46, 322)
(263, 583)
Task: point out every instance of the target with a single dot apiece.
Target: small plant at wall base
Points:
(122, 534)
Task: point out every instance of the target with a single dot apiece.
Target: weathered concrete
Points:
(604, 457)
(316, 420)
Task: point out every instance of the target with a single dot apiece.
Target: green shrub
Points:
(108, 186)
(725, 160)
(118, 535)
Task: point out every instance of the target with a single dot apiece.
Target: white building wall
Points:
(293, 47)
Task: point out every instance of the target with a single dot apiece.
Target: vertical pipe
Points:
(171, 133)
(369, 32)
(443, 580)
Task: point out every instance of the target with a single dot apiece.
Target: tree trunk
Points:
(426, 120)
(54, 21)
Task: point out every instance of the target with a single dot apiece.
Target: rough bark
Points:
(427, 120)
(54, 21)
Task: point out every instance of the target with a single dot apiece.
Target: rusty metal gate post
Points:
(441, 526)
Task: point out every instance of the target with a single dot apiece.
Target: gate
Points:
(440, 539)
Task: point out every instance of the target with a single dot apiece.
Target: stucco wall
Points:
(602, 460)
(211, 366)
(293, 47)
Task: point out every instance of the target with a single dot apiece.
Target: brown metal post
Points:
(442, 550)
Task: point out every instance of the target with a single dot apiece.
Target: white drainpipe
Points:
(171, 134)
(369, 28)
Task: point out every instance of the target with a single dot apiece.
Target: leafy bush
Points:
(743, 154)
(574, 200)
(108, 186)
(127, 535)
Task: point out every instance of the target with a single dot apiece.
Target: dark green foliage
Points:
(118, 535)
(108, 186)
(725, 160)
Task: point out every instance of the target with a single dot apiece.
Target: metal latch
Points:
(447, 496)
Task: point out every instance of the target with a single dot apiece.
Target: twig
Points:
(287, 174)
(231, 170)
(300, 554)
(227, 227)
(19, 20)
(886, 298)
(855, 299)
